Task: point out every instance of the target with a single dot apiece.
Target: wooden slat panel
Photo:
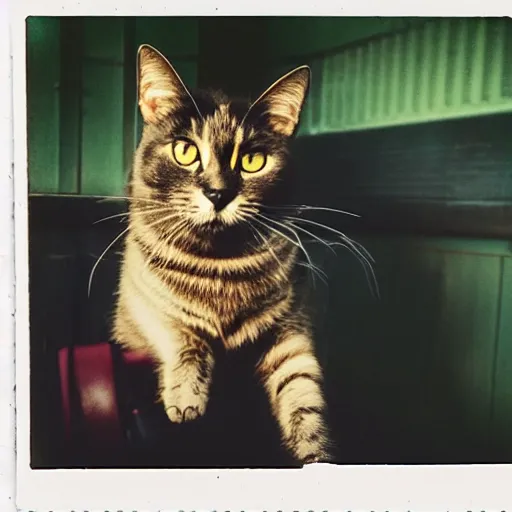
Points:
(105, 161)
(421, 357)
(438, 100)
(466, 160)
(130, 100)
(480, 55)
(303, 35)
(43, 75)
(468, 325)
(102, 107)
(502, 406)
(438, 46)
(102, 130)
(104, 39)
(70, 104)
(411, 57)
(494, 65)
(175, 37)
(424, 69)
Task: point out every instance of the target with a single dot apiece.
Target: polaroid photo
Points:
(263, 257)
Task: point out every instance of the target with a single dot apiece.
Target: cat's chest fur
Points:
(233, 300)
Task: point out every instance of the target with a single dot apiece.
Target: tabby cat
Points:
(203, 265)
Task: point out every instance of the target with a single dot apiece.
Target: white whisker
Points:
(298, 243)
(304, 207)
(344, 237)
(91, 275)
(129, 198)
(357, 248)
(269, 247)
(321, 240)
(163, 219)
(126, 214)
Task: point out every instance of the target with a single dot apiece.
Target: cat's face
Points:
(212, 161)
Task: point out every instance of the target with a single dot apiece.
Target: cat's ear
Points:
(161, 90)
(282, 102)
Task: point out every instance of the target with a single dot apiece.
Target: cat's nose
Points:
(218, 197)
(213, 195)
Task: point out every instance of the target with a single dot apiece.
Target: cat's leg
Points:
(185, 361)
(292, 378)
(184, 378)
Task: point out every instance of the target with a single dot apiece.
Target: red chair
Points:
(90, 395)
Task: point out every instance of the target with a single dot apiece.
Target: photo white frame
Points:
(317, 487)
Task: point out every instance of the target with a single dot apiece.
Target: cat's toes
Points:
(311, 441)
(174, 414)
(191, 413)
(181, 404)
(312, 458)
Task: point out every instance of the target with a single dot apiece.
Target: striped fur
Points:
(193, 276)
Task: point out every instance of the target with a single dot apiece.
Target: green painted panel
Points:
(187, 71)
(431, 62)
(307, 35)
(469, 311)
(502, 406)
(466, 246)
(43, 75)
(103, 170)
(175, 37)
(104, 38)
(102, 130)
(70, 103)
(464, 162)
(422, 354)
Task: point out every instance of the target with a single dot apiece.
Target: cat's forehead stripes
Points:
(239, 135)
(217, 131)
(205, 148)
(222, 125)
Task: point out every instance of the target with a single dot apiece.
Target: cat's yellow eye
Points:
(253, 162)
(185, 152)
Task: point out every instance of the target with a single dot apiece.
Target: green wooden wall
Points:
(433, 354)
(306, 36)
(83, 117)
(373, 73)
(43, 106)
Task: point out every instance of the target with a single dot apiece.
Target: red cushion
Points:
(95, 385)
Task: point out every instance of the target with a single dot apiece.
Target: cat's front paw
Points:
(310, 440)
(321, 456)
(184, 401)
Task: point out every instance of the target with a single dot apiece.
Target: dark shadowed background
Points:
(408, 124)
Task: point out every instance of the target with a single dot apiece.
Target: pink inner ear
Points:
(149, 104)
(148, 109)
(282, 125)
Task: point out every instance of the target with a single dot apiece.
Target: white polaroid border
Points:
(6, 272)
(317, 487)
